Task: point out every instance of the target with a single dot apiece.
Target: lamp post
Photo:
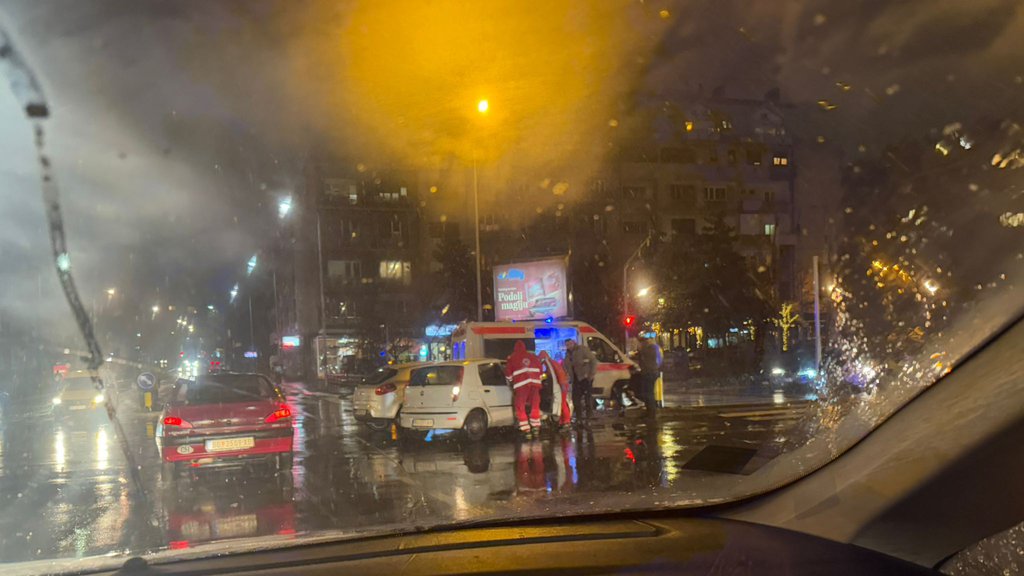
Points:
(625, 289)
(482, 107)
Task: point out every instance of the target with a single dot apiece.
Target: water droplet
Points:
(613, 123)
(433, 189)
(892, 89)
(820, 19)
(664, 14)
(444, 218)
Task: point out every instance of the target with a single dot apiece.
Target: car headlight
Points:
(56, 400)
(98, 399)
(778, 371)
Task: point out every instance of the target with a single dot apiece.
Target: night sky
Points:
(175, 125)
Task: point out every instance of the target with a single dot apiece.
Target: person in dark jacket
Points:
(650, 360)
(581, 366)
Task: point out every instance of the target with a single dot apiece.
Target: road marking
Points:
(774, 418)
(792, 412)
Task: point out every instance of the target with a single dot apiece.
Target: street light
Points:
(250, 265)
(625, 285)
(482, 107)
(111, 292)
(643, 292)
(284, 206)
(156, 309)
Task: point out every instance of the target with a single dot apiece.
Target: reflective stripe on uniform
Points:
(528, 369)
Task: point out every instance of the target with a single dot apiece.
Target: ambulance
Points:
(496, 339)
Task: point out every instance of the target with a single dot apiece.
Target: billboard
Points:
(530, 290)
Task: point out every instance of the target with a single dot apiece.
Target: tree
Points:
(705, 282)
(786, 320)
(455, 279)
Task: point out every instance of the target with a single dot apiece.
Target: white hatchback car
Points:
(470, 394)
(378, 399)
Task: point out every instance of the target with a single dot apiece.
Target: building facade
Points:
(361, 263)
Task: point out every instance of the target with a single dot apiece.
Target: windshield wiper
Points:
(29, 93)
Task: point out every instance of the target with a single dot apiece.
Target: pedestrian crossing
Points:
(767, 413)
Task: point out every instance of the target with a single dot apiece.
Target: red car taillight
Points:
(178, 422)
(279, 414)
(386, 388)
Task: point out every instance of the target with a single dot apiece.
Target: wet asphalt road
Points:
(65, 490)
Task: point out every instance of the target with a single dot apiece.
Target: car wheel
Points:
(170, 471)
(475, 425)
(284, 461)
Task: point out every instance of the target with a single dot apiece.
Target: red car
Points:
(225, 419)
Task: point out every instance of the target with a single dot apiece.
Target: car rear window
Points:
(380, 376)
(78, 384)
(436, 376)
(230, 388)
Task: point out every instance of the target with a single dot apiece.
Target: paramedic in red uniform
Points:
(523, 368)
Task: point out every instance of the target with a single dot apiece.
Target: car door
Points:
(430, 388)
(611, 366)
(497, 394)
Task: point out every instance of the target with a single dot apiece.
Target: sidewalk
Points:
(697, 392)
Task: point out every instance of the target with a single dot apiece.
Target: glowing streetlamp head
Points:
(482, 106)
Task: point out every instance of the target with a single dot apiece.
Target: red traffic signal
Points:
(628, 321)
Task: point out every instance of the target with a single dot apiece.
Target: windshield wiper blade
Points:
(27, 89)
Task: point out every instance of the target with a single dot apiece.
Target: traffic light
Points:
(628, 321)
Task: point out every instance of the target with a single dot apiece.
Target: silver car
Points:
(377, 400)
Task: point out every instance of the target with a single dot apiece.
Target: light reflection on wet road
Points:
(64, 490)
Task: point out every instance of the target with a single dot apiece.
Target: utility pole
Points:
(476, 228)
(625, 289)
(252, 332)
(817, 318)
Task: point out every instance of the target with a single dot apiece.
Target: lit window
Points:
(689, 126)
(780, 161)
(396, 270)
(769, 229)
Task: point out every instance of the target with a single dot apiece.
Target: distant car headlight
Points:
(98, 399)
(778, 371)
(56, 400)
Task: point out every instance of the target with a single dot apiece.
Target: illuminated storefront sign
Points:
(530, 290)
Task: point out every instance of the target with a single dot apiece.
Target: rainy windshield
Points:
(744, 235)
